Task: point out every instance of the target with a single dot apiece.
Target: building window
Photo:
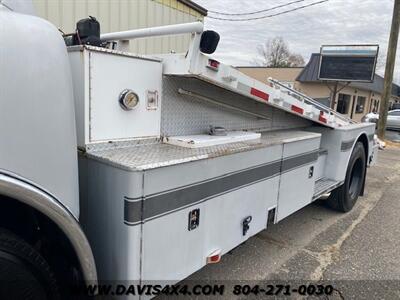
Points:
(376, 106)
(343, 104)
(360, 104)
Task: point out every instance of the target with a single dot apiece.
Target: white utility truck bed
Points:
(180, 157)
(161, 196)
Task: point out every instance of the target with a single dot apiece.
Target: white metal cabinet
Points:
(99, 78)
(224, 215)
(170, 251)
(109, 76)
(225, 192)
(298, 176)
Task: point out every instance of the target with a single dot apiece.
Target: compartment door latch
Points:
(246, 224)
(311, 172)
(194, 219)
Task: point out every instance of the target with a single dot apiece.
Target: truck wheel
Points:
(344, 197)
(24, 274)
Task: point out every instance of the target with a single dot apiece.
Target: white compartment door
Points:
(110, 75)
(170, 250)
(298, 176)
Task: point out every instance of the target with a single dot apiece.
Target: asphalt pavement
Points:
(358, 253)
(393, 135)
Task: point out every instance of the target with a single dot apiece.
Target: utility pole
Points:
(391, 58)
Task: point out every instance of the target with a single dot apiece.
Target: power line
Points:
(255, 12)
(269, 16)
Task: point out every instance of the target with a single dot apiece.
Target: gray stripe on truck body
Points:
(153, 206)
(347, 145)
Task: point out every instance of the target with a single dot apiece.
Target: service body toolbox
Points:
(192, 202)
(180, 165)
(181, 158)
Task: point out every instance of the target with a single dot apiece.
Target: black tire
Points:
(24, 274)
(345, 197)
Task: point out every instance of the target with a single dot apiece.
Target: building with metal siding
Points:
(117, 15)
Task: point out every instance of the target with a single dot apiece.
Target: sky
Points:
(305, 30)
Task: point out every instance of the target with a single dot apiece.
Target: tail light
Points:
(213, 64)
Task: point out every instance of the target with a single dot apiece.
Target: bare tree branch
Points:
(275, 53)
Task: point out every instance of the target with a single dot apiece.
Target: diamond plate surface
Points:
(324, 185)
(135, 156)
(185, 115)
(105, 146)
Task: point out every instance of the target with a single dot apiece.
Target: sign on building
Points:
(348, 63)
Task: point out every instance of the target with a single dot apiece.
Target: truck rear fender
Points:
(363, 138)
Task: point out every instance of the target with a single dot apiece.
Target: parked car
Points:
(370, 118)
(396, 106)
(393, 120)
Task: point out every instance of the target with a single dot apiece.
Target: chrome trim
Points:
(49, 206)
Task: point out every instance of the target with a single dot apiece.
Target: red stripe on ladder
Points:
(322, 118)
(259, 94)
(297, 109)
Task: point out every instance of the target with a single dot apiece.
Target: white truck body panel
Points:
(339, 143)
(38, 136)
(19, 6)
(38, 158)
(140, 184)
(226, 188)
(296, 183)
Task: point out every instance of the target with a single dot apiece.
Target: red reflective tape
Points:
(297, 109)
(259, 94)
(322, 119)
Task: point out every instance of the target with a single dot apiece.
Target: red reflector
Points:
(213, 64)
(214, 258)
(322, 119)
(297, 109)
(259, 94)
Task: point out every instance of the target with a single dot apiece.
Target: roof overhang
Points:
(194, 6)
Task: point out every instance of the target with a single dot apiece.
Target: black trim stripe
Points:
(346, 145)
(183, 197)
(298, 161)
(210, 179)
(157, 205)
(323, 152)
(133, 212)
